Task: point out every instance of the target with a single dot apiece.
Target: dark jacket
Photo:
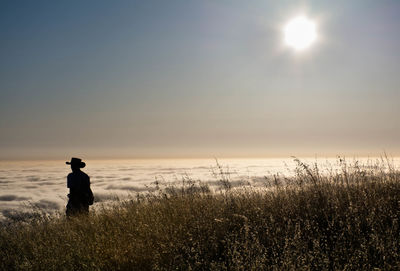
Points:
(78, 183)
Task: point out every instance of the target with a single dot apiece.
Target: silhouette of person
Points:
(80, 195)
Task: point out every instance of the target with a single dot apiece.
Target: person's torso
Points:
(78, 181)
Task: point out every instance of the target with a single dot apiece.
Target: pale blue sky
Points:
(197, 78)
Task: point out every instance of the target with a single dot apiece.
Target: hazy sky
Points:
(197, 78)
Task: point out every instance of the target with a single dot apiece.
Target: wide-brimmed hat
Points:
(76, 162)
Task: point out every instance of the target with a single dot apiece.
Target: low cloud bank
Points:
(28, 186)
(131, 188)
(12, 198)
(47, 205)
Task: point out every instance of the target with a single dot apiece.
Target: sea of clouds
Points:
(30, 186)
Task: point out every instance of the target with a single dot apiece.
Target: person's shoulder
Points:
(84, 174)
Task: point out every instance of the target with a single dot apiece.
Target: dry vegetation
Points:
(345, 219)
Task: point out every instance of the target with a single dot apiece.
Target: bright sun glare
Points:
(300, 33)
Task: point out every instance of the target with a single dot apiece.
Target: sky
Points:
(151, 79)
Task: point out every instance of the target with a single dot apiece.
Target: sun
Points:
(300, 33)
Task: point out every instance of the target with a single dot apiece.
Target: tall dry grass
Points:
(345, 218)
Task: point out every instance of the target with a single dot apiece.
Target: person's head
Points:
(76, 164)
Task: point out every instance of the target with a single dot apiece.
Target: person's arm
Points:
(69, 181)
(90, 197)
(72, 185)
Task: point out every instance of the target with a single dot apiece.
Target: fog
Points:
(29, 186)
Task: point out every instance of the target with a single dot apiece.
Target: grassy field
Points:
(345, 218)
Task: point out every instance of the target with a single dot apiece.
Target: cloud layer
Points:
(29, 186)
